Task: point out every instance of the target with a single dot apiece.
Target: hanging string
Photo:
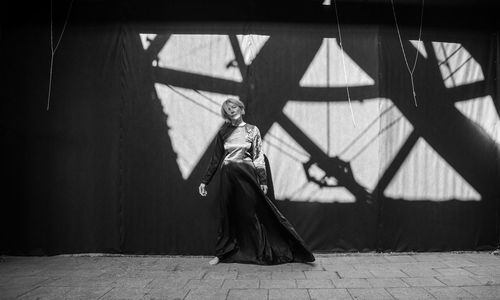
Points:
(412, 70)
(328, 102)
(343, 62)
(54, 49)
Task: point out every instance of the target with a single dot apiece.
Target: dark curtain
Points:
(99, 171)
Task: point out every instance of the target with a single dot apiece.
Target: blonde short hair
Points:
(232, 101)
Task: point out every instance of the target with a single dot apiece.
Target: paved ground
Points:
(471, 275)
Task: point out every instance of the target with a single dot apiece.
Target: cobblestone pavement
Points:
(469, 275)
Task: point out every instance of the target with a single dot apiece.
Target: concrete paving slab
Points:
(484, 292)
(288, 275)
(240, 284)
(328, 294)
(429, 264)
(427, 257)
(449, 292)
(254, 275)
(487, 280)
(396, 258)
(332, 276)
(221, 275)
(422, 281)
(459, 263)
(345, 283)
(371, 259)
(24, 281)
(314, 283)
(385, 266)
(340, 267)
(278, 284)
(458, 280)
(244, 294)
(123, 293)
(289, 294)
(306, 267)
(86, 293)
(187, 274)
(387, 273)
(370, 294)
(12, 292)
(453, 272)
(166, 293)
(355, 274)
(420, 272)
(410, 293)
(165, 283)
(132, 282)
(207, 294)
(386, 282)
(46, 293)
(204, 283)
(321, 274)
(77, 281)
(484, 270)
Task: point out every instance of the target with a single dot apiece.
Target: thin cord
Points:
(51, 57)
(54, 49)
(343, 61)
(328, 102)
(412, 70)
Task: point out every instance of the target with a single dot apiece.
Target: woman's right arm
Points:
(218, 151)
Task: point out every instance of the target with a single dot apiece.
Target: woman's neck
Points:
(237, 122)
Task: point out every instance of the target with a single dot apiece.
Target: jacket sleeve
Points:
(218, 151)
(258, 157)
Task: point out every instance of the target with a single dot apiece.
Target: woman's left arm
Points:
(258, 158)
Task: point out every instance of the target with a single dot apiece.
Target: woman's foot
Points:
(214, 261)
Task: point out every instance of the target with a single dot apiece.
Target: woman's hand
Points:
(202, 189)
(263, 187)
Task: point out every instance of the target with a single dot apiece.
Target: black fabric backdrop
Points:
(98, 172)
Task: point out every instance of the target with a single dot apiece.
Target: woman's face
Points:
(233, 111)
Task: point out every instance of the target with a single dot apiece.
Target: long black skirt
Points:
(251, 229)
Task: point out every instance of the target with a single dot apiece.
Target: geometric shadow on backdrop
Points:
(316, 152)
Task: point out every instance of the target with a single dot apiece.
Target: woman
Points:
(251, 229)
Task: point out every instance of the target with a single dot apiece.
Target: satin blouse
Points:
(237, 144)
